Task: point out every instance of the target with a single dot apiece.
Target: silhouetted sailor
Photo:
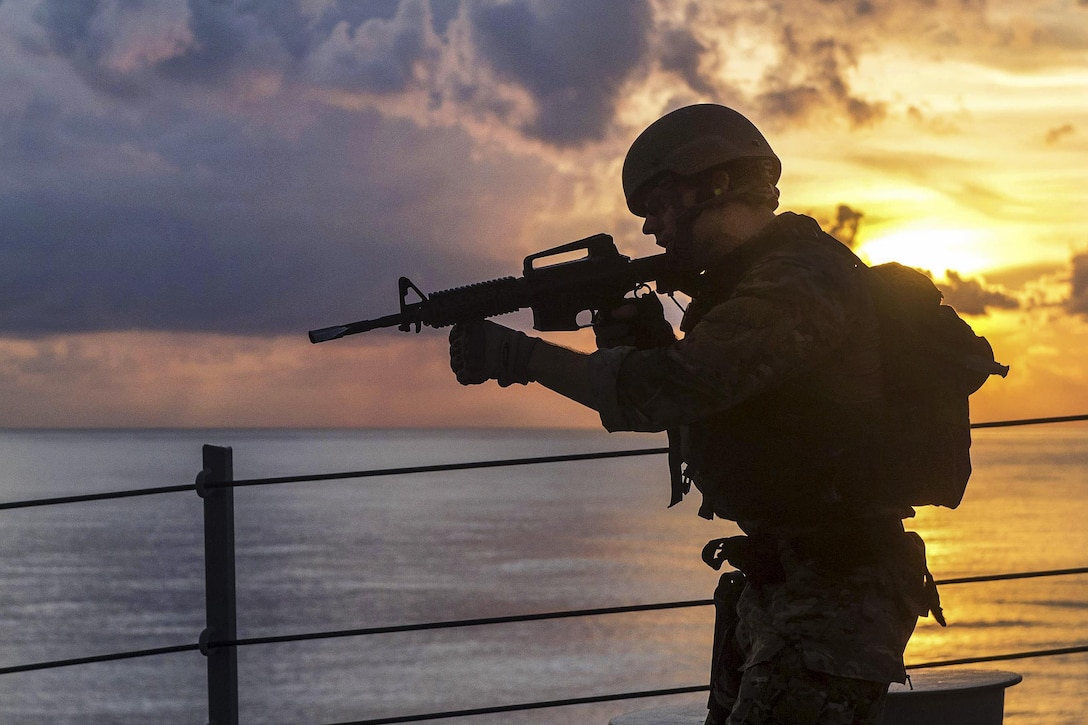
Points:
(770, 401)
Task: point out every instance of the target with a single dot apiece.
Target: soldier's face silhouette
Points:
(664, 205)
(696, 234)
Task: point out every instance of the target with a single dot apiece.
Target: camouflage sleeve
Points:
(790, 312)
(604, 371)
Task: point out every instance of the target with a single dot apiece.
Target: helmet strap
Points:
(708, 195)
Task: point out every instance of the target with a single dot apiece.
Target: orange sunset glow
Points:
(186, 193)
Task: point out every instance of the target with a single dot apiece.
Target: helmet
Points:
(688, 141)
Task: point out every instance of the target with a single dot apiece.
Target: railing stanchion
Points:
(219, 585)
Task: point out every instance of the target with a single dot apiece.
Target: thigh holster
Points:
(725, 660)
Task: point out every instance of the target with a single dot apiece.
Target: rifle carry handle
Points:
(596, 247)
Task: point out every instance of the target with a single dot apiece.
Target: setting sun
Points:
(934, 249)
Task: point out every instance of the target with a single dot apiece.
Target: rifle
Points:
(557, 293)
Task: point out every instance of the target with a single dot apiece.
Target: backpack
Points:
(933, 361)
(919, 444)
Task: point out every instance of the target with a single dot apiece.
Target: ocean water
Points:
(101, 577)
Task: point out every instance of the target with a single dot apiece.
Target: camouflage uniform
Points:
(768, 393)
(829, 633)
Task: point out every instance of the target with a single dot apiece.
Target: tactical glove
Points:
(482, 351)
(638, 323)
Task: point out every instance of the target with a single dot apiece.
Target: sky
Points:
(186, 188)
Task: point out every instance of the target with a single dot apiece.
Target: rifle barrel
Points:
(335, 332)
(327, 333)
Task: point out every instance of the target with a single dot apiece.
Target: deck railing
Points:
(219, 643)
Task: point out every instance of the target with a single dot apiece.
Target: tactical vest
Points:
(789, 455)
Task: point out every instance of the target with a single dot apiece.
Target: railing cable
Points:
(451, 624)
(204, 645)
(99, 658)
(438, 467)
(302, 478)
(56, 501)
(1018, 575)
(480, 621)
(420, 717)
(406, 470)
(1030, 421)
(529, 706)
(1079, 649)
(564, 614)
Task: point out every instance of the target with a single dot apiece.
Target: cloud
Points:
(810, 55)
(1009, 36)
(230, 228)
(938, 124)
(1078, 295)
(845, 227)
(257, 167)
(132, 379)
(182, 192)
(812, 76)
(124, 47)
(1056, 134)
(965, 181)
(569, 60)
(967, 296)
(572, 58)
(379, 54)
(564, 64)
(127, 47)
(1037, 284)
(972, 297)
(202, 181)
(681, 52)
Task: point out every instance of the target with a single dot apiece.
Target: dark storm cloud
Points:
(225, 34)
(376, 55)
(70, 32)
(162, 201)
(681, 53)
(82, 32)
(243, 234)
(30, 135)
(972, 297)
(572, 57)
(356, 45)
(83, 265)
(812, 75)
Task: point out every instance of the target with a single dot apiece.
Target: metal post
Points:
(219, 585)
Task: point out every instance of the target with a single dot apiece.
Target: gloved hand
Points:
(638, 323)
(482, 351)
